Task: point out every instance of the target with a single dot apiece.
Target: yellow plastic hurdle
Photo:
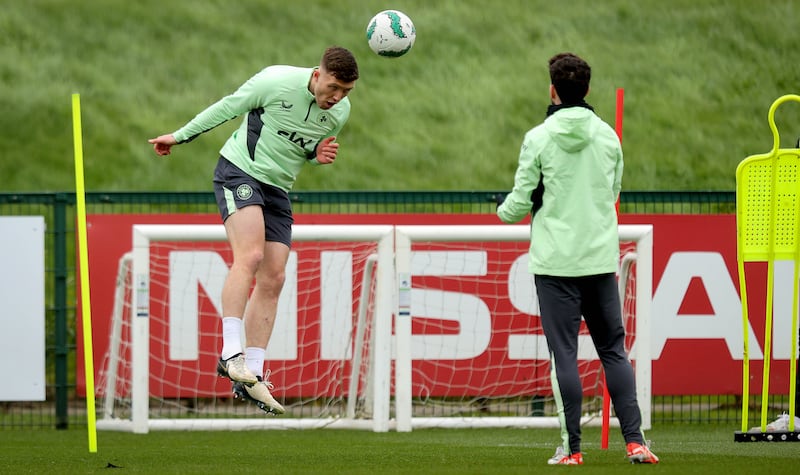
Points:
(768, 230)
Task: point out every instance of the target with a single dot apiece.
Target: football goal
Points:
(380, 327)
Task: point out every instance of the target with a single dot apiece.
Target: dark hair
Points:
(341, 63)
(570, 75)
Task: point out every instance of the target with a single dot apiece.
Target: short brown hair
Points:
(570, 75)
(340, 62)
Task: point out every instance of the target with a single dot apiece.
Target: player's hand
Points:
(163, 144)
(326, 150)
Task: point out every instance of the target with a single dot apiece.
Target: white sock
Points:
(254, 356)
(231, 337)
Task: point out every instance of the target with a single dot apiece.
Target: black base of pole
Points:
(777, 436)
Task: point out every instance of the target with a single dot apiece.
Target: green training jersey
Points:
(281, 127)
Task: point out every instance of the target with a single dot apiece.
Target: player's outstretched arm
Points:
(163, 144)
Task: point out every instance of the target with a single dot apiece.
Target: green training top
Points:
(575, 232)
(281, 129)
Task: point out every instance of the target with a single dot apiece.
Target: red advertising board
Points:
(696, 323)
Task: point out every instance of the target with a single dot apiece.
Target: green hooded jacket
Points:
(579, 159)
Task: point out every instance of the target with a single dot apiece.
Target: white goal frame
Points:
(144, 235)
(405, 235)
(392, 287)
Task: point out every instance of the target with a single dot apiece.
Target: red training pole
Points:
(618, 119)
(606, 397)
(620, 106)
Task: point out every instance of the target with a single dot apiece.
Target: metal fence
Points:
(63, 408)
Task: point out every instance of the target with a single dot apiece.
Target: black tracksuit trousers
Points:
(562, 302)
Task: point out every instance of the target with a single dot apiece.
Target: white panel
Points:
(22, 334)
(189, 270)
(283, 343)
(336, 311)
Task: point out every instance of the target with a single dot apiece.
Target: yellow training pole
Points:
(745, 328)
(767, 341)
(770, 258)
(84, 271)
(793, 354)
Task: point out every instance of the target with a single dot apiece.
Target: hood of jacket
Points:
(572, 128)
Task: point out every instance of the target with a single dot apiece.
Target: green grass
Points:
(706, 449)
(699, 78)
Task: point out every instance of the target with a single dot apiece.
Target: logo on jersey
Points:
(285, 105)
(295, 138)
(323, 117)
(244, 191)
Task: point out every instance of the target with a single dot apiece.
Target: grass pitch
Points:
(683, 449)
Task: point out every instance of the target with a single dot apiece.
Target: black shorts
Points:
(235, 189)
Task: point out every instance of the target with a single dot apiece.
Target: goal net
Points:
(379, 327)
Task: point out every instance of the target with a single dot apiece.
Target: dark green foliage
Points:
(699, 78)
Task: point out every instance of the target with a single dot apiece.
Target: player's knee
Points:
(276, 280)
(271, 283)
(251, 259)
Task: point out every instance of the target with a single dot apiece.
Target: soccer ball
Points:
(391, 33)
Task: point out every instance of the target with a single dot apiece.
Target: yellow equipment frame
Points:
(768, 229)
